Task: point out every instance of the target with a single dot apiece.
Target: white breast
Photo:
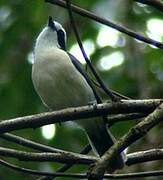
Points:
(58, 82)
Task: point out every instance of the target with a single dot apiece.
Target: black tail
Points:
(101, 140)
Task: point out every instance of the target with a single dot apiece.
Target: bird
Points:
(61, 82)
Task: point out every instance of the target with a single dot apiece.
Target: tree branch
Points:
(101, 20)
(99, 80)
(132, 158)
(144, 156)
(133, 135)
(80, 176)
(154, 3)
(66, 157)
(67, 166)
(34, 121)
(112, 119)
(37, 173)
(70, 157)
(144, 105)
(86, 150)
(30, 144)
(41, 147)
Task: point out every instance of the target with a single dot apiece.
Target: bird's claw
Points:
(93, 104)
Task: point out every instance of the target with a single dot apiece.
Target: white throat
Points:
(47, 39)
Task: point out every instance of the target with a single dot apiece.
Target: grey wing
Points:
(80, 68)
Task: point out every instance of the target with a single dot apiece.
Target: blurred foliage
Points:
(139, 76)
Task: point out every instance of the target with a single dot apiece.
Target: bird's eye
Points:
(61, 39)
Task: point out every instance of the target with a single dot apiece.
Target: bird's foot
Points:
(93, 103)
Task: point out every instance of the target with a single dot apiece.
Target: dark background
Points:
(138, 75)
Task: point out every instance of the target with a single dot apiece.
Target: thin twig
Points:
(86, 150)
(112, 119)
(121, 96)
(28, 143)
(65, 167)
(34, 121)
(80, 176)
(101, 83)
(75, 158)
(153, 3)
(41, 147)
(66, 157)
(144, 156)
(133, 135)
(101, 20)
(35, 172)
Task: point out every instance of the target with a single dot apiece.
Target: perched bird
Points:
(60, 82)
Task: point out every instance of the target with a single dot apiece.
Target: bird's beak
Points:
(51, 24)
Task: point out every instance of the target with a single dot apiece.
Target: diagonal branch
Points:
(101, 20)
(28, 143)
(133, 135)
(34, 121)
(154, 3)
(99, 80)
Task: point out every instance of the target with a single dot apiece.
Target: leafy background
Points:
(138, 75)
